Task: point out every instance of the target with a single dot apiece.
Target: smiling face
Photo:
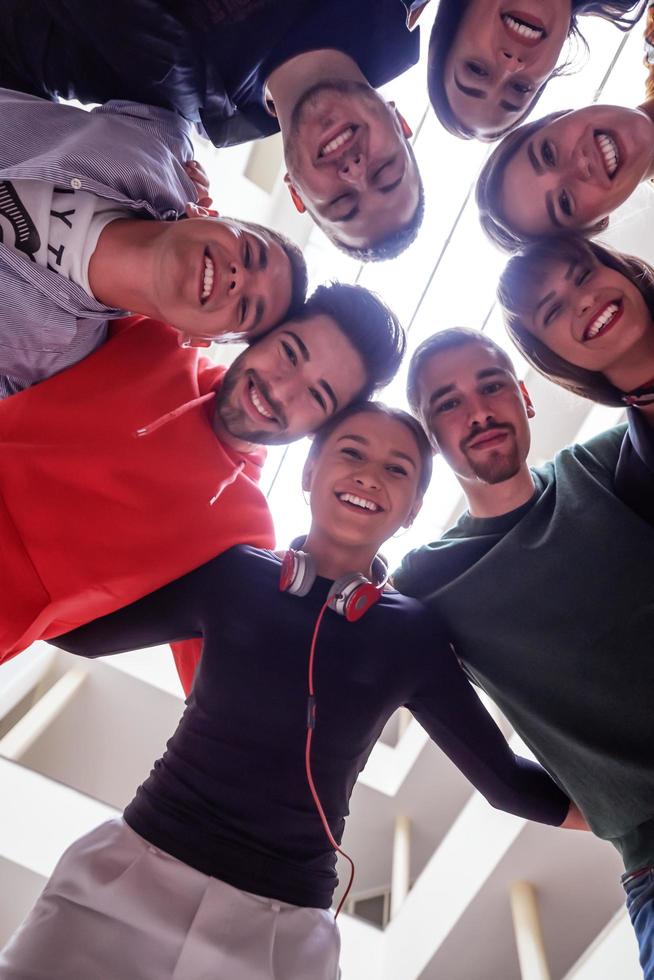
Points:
(503, 52)
(290, 382)
(588, 314)
(576, 170)
(364, 481)
(476, 412)
(349, 163)
(217, 278)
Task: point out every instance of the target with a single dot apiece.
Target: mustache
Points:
(479, 430)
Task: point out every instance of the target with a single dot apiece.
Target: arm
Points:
(634, 473)
(452, 714)
(170, 613)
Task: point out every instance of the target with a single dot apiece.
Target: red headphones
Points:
(351, 595)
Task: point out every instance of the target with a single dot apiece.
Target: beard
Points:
(236, 420)
(307, 104)
(500, 464)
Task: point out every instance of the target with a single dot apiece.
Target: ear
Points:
(295, 197)
(195, 211)
(407, 132)
(307, 474)
(529, 405)
(413, 513)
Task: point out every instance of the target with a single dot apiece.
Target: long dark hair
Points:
(378, 408)
(515, 293)
(622, 13)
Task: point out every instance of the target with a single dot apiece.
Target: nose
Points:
(581, 164)
(368, 479)
(509, 62)
(236, 278)
(479, 414)
(585, 301)
(352, 169)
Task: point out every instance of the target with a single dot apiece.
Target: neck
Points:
(648, 109)
(122, 270)
(636, 366)
(333, 558)
(291, 79)
(225, 437)
(495, 499)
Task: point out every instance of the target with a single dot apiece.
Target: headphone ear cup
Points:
(352, 596)
(298, 573)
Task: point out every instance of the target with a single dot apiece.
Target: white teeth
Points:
(207, 279)
(258, 404)
(337, 141)
(609, 150)
(349, 498)
(601, 321)
(531, 33)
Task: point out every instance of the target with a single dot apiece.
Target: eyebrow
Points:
(533, 159)
(551, 210)
(490, 373)
(545, 300)
(366, 442)
(476, 93)
(439, 392)
(263, 255)
(258, 316)
(304, 351)
(330, 393)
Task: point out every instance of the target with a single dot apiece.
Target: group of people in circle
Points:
(130, 510)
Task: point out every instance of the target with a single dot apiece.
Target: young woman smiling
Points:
(224, 863)
(582, 314)
(490, 60)
(565, 172)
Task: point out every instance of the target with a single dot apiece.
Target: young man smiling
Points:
(150, 457)
(546, 587)
(244, 71)
(87, 232)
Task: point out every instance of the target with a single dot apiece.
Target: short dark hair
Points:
(443, 341)
(395, 242)
(379, 408)
(446, 25)
(368, 323)
(516, 288)
(299, 277)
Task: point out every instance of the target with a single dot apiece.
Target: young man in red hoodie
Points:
(141, 462)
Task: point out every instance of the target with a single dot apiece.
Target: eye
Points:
(583, 276)
(351, 452)
(317, 397)
(521, 88)
(492, 387)
(548, 154)
(396, 469)
(243, 308)
(290, 353)
(447, 406)
(476, 69)
(247, 255)
(551, 315)
(565, 204)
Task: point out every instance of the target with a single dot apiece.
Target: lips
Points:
(608, 151)
(488, 439)
(356, 502)
(525, 29)
(603, 320)
(337, 141)
(257, 404)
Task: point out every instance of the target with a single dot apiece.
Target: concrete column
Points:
(404, 718)
(528, 933)
(400, 875)
(41, 715)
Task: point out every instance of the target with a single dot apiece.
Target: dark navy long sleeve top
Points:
(230, 796)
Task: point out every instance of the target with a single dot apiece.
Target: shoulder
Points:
(602, 451)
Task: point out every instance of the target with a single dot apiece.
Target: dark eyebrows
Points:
(300, 343)
(551, 210)
(490, 373)
(533, 159)
(475, 93)
(439, 392)
(366, 442)
(329, 391)
(545, 300)
(258, 316)
(263, 255)
(400, 455)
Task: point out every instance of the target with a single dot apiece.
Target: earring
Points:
(186, 341)
(297, 200)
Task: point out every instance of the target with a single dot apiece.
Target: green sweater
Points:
(551, 610)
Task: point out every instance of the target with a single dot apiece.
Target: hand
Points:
(195, 171)
(575, 819)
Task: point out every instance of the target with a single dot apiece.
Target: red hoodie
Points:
(108, 474)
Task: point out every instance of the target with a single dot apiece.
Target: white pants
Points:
(117, 908)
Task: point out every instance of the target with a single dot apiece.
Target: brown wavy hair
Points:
(515, 293)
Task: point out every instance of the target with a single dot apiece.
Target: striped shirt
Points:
(125, 152)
